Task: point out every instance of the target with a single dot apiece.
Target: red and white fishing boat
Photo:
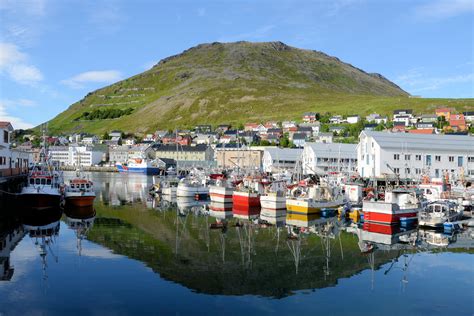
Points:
(398, 203)
(79, 192)
(248, 192)
(43, 188)
(221, 192)
(274, 197)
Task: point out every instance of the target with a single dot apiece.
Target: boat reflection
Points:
(81, 220)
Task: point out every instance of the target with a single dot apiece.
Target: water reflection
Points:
(221, 250)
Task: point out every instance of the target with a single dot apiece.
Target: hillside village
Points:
(334, 141)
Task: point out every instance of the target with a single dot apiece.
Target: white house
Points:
(76, 155)
(324, 137)
(405, 116)
(336, 119)
(12, 162)
(90, 140)
(279, 159)
(353, 119)
(376, 118)
(320, 158)
(408, 155)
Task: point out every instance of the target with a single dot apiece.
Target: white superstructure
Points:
(320, 158)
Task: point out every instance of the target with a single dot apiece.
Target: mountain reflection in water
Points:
(212, 252)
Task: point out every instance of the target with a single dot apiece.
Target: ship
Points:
(139, 165)
(79, 192)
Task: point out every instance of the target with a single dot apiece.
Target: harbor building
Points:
(406, 155)
(85, 156)
(199, 155)
(280, 159)
(12, 161)
(321, 158)
(239, 157)
(118, 154)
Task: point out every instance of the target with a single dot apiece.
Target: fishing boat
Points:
(44, 184)
(79, 192)
(274, 197)
(314, 199)
(139, 164)
(247, 193)
(221, 192)
(398, 203)
(190, 187)
(437, 213)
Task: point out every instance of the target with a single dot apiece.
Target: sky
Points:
(54, 52)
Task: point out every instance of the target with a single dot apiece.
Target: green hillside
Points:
(237, 82)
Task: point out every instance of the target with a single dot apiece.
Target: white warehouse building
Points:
(280, 159)
(321, 158)
(406, 155)
(74, 155)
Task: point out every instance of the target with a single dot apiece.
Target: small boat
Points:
(274, 197)
(398, 203)
(43, 188)
(189, 187)
(315, 199)
(221, 192)
(437, 213)
(80, 192)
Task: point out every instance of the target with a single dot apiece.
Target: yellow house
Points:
(446, 112)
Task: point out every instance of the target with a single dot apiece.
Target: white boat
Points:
(43, 188)
(314, 199)
(139, 165)
(437, 213)
(274, 197)
(190, 187)
(221, 192)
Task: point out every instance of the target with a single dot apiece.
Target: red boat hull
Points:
(387, 218)
(80, 201)
(39, 201)
(246, 200)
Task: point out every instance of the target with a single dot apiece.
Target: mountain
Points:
(233, 83)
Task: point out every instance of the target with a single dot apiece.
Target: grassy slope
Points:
(238, 82)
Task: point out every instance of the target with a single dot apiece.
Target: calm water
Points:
(133, 256)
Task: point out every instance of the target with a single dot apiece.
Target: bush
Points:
(103, 114)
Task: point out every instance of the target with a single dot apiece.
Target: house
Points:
(324, 138)
(321, 158)
(229, 136)
(307, 130)
(165, 163)
(278, 132)
(338, 130)
(160, 134)
(271, 124)
(353, 119)
(273, 139)
(376, 118)
(12, 162)
(370, 126)
(193, 153)
(251, 126)
(469, 116)
(85, 156)
(205, 138)
(249, 136)
(222, 128)
(310, 117)
(203, 129)
(336, 119)
(444, 111)
(118, 154)
(315, 127)
(404, 116)
(90, 140)
(426, 118)
(115, 133)
(287, 124)
(457, 122)
(409, 155)
(299, 139)
(129, 141)
(399, 127)
(280, 159)
(425, 125)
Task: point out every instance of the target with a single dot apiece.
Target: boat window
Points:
(32, 181)
(82, 186)
(438, 208)
(48, 182)
(43, 181)
(37, 181)
(87, 186)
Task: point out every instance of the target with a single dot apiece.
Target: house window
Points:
(469, 159)
(396, 157)
(451, 158)
(438, 158)
(428, 160)
(460, 161)
(407, 157)
(418, 171)
(396, 170)
(418, 157)
(436, 173)
(407, 170)
(5, 137)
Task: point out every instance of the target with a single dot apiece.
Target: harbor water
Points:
(133, 255)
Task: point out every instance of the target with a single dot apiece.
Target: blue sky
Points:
(53, 53)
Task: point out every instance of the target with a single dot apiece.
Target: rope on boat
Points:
(9, 193)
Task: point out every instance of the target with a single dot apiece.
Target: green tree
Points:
(105, 136)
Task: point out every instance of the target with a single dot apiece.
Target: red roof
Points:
(421, 131)
(4, 124)
(443, 110)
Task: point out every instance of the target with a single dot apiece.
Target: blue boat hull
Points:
(120, 168)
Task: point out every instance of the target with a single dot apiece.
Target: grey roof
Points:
(284, 153)
(468, 113)
(299, 136)
(408, 111)
(428, 142)
(199, 147)
(274, 130)
(305, 129)
(334, 149)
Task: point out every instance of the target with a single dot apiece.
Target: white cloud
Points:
(95, 76)
(17, 122)
(30, 7)
(15, 64)
(415, 81)
(442, 9)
